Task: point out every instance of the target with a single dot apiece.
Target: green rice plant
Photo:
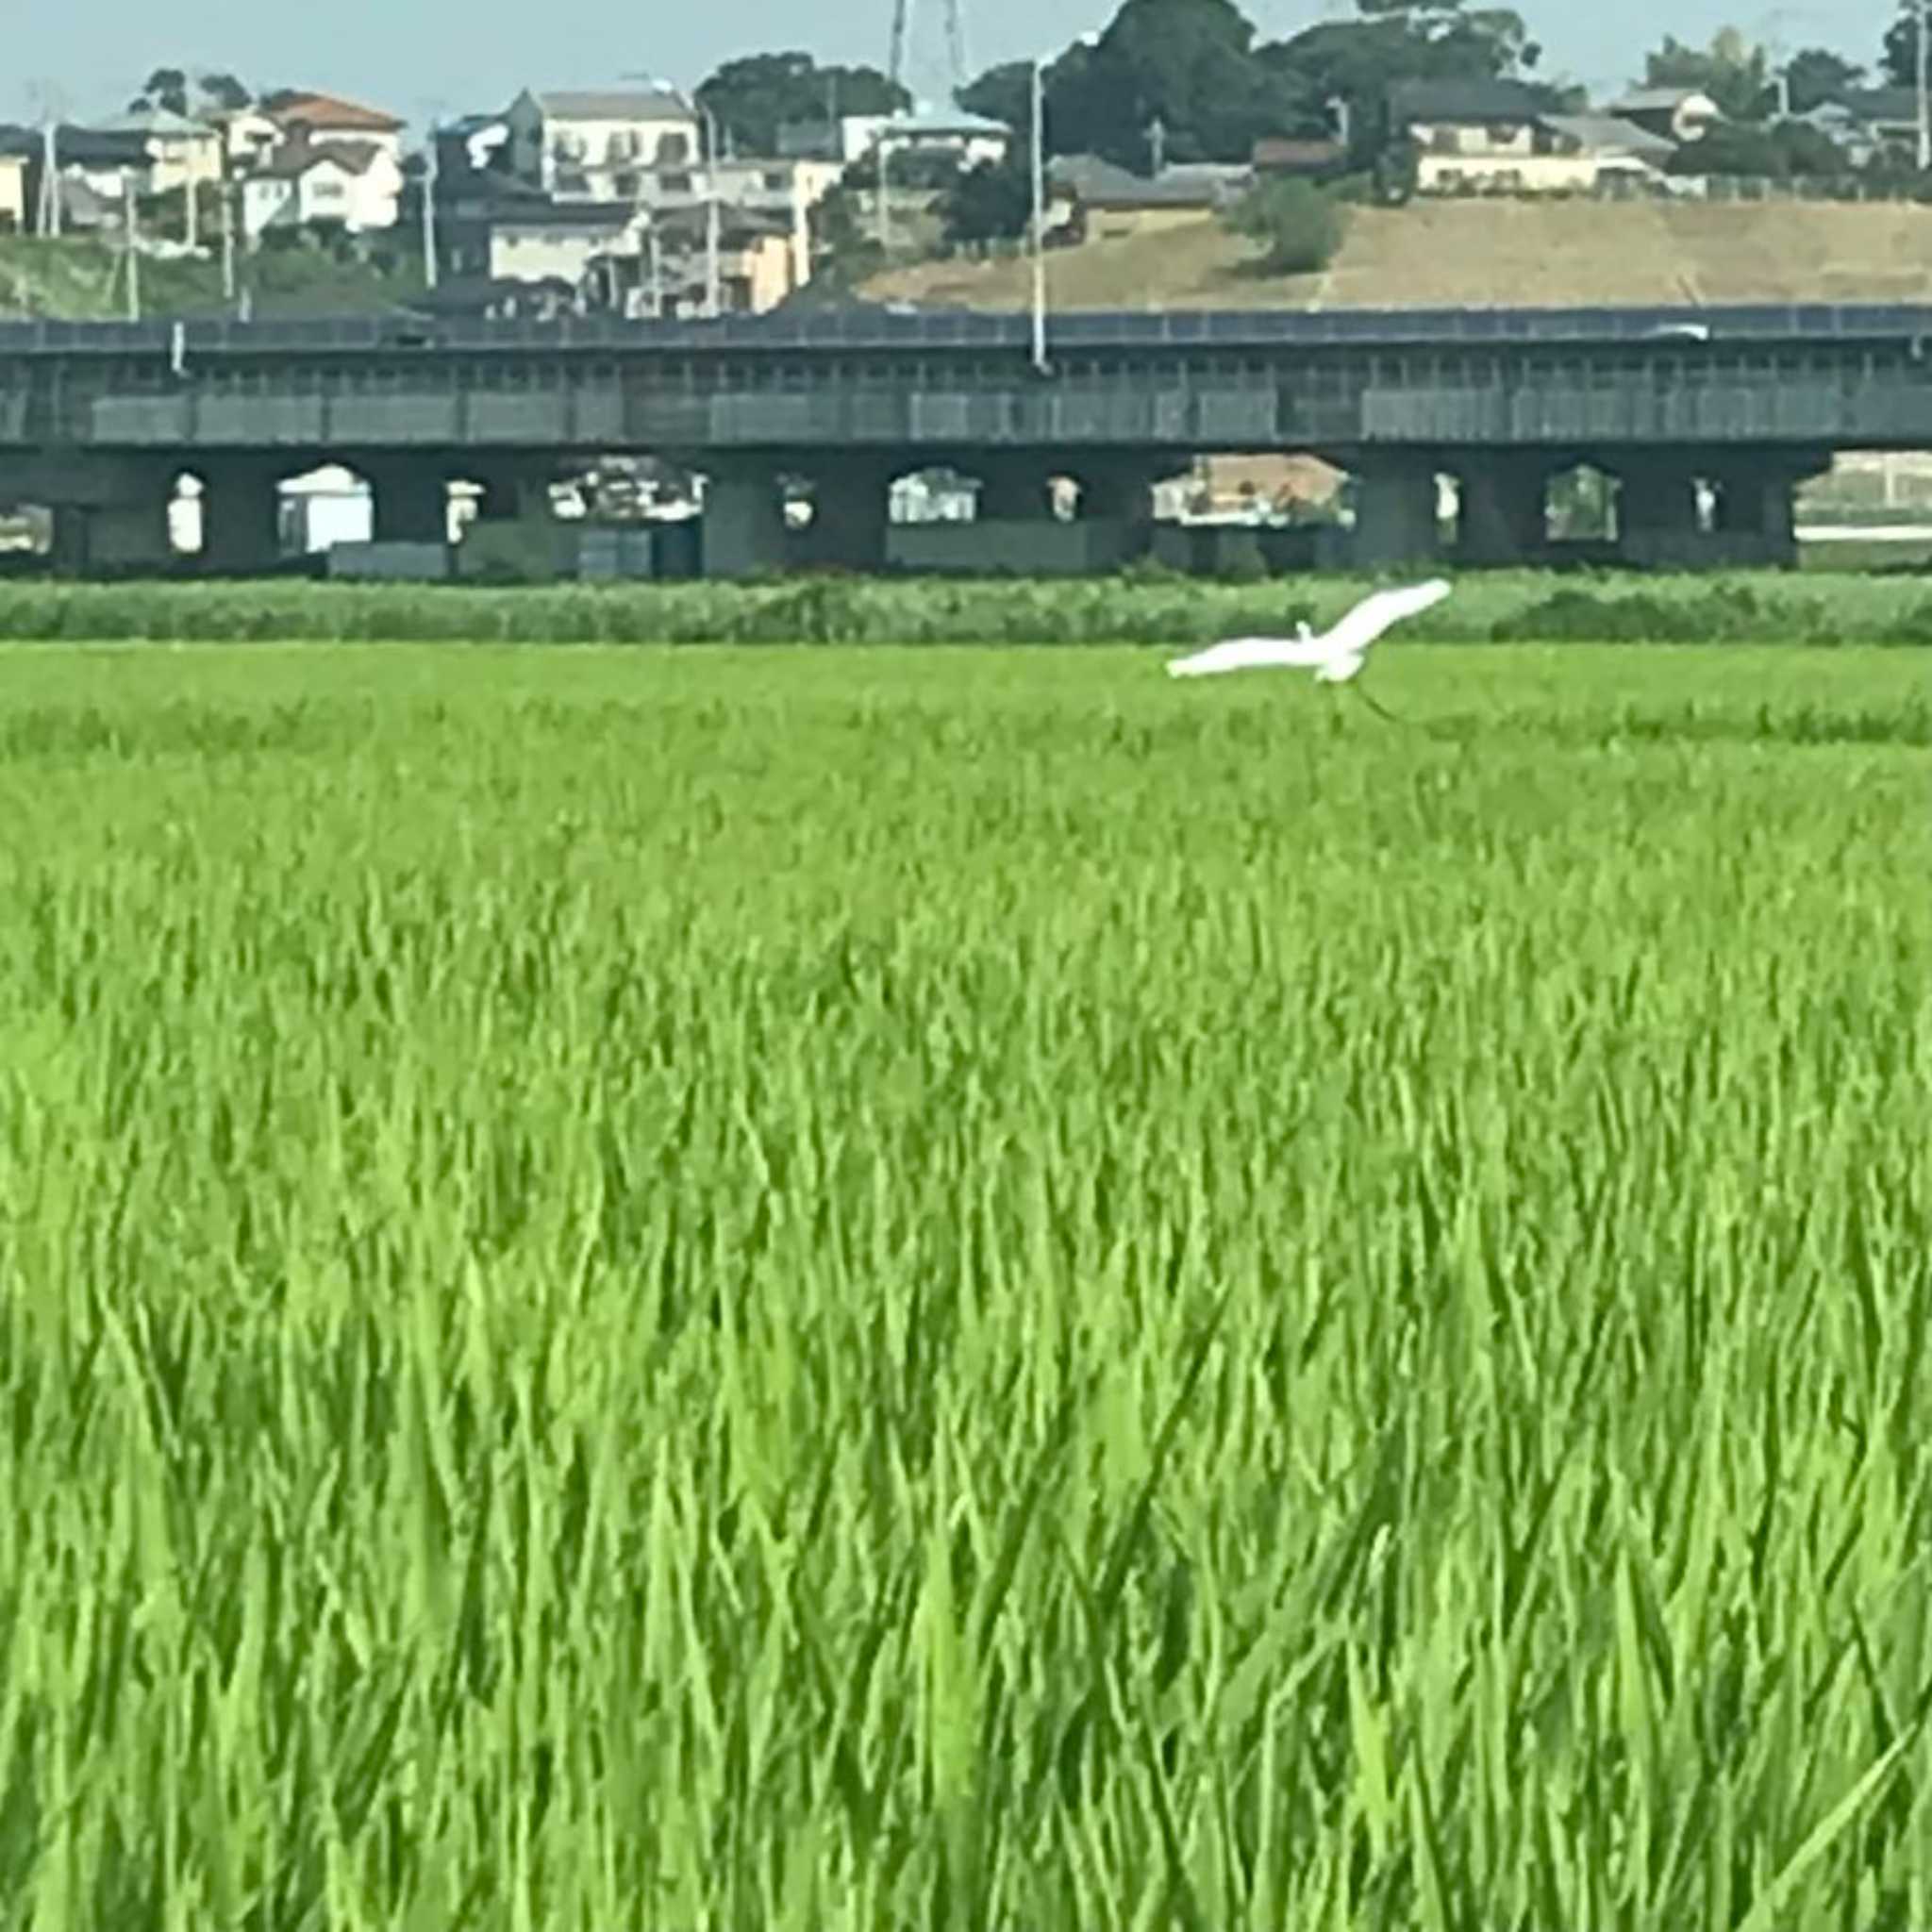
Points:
(848, 1289)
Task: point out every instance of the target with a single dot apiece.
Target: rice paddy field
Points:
(948, 1288)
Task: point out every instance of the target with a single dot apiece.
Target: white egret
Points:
(1336, 657)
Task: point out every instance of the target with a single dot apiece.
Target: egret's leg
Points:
(1380, 711)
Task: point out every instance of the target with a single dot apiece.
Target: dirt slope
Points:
(1477, 254)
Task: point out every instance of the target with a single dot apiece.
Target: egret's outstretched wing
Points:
(1251, 653)
(1386, 609)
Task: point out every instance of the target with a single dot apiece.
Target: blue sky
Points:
(412, 55)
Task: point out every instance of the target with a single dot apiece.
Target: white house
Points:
(14, 211)
(249, 137)
(180, 151)
(540, 241)
(593, 145)
(970, 138)
(352, 184)
(1492, 136)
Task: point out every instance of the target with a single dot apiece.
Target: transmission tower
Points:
(903, 64)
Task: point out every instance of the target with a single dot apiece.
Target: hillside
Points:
(1482, 254)
(75, 279)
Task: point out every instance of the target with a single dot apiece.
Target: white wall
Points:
(533, 254)
(599, 149)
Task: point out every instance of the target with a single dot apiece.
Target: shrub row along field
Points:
(860, 1289)
(1151, 608)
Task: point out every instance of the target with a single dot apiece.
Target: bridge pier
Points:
(241, 516)
(1657, 524)
(109, 513)
(114, 540)
(1120, 491)
(1395, 522)
(849, 514)
(742, 532)
(1757, 510)
(412, 500)
(1504, 510)
(1012, 489)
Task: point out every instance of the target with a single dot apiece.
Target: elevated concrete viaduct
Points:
(1706, 420)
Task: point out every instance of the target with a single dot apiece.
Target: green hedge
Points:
(1147, 608)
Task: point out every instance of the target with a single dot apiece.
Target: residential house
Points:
(783, 191)
(1603, 147)
(475, 145)
(1871, 123)
(759, 264)
(970, 139)
(249, 137)
(1098, 198)
(593, 146)
(1277, 157)
(354, 184)
(1682, 114)
(514, 235)
(316, 120)
(98, 161)
(14, 193)
(1466, 133)
(1494, 137)
(179, 152)
(87, 202)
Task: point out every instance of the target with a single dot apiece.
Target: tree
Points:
(1817, 76)
(1494, 37)
(1186, 65)
(754, 96)
(165, 87)
(991, 202)
(1359, 62)
(1775, 153)
(224, 92)
(1300, 228)
(1002, 93)
(1901, 56)
(176, 90)
(1734, 72)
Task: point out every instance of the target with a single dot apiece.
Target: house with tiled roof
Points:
(316, 119)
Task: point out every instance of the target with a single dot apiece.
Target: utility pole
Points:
(1925, 91)
(1038, 159)
(712, 252)
(885, 219)
(711, 210)
(133, 253)
(227, 242)
(50, 180)
(429, 214)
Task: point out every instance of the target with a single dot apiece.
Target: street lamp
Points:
(1039, 134)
